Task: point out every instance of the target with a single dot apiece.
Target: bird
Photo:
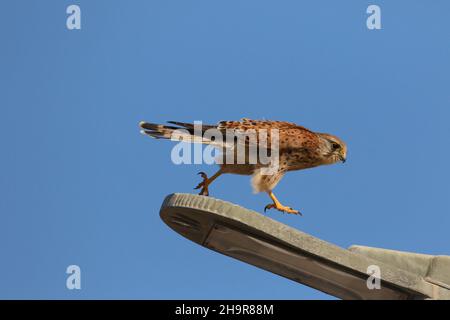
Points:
(297, 148)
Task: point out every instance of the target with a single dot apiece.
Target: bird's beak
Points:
(343, 159)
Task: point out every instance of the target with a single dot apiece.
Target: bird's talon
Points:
(203, 175)
(201, 184)
(281, 208)
(204, 184)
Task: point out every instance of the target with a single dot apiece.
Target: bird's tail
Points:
(181, 131)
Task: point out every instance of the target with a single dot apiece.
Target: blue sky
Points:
(80, 185)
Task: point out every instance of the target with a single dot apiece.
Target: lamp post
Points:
(250, 237)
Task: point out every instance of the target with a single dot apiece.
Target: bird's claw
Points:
(282, 208)
(204, 185)
(203, 175)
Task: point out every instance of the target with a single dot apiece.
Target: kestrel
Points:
(298, 148)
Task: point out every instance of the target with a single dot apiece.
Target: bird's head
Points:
(333, 149)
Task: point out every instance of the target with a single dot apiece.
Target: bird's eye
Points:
(335, 146)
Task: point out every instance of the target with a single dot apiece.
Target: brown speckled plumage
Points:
(299, 148)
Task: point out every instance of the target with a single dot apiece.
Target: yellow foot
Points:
(204, 185)
(282, 208)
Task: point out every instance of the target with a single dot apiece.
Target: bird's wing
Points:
(245, 124)
(290, 135)
(232, 133)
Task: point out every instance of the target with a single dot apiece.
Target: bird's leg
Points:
(277, 205)
(206, 182)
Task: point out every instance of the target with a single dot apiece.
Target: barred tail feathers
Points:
(183, 131)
